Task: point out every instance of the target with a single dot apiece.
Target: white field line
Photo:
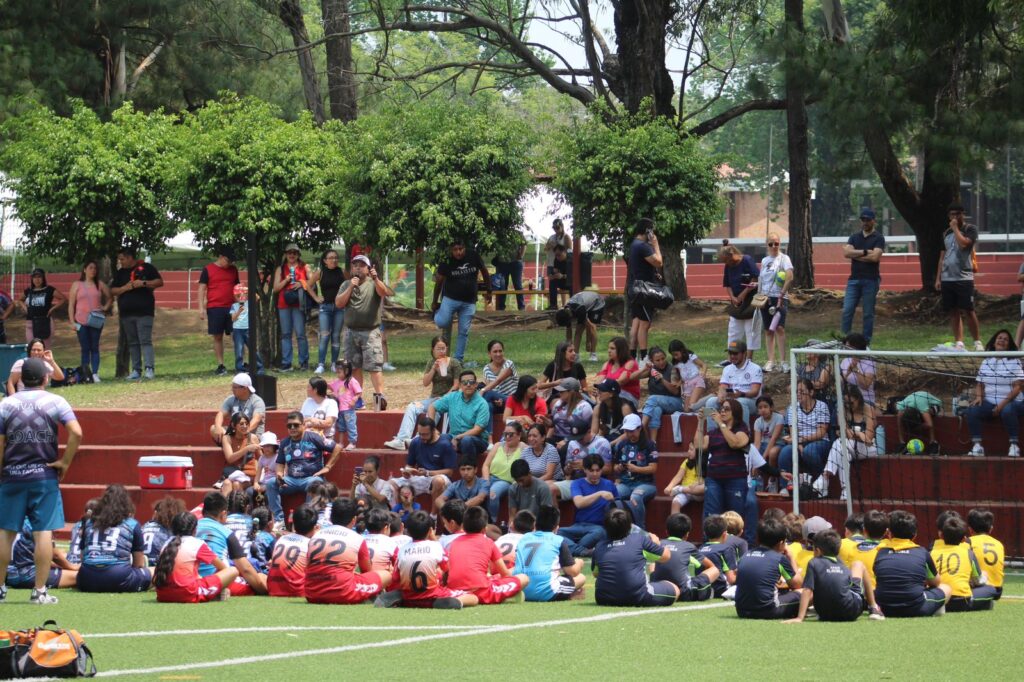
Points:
(282, 628)
(482, 630)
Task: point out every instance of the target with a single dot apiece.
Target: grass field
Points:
(134, 637)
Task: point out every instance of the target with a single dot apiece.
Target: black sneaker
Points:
(933, 448)
(385, 600)
(285, 368)
(220, 371)
(304, 367)
(447, 603)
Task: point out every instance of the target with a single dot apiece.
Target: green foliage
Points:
(432, 171)
(83, 188)
(613, 173)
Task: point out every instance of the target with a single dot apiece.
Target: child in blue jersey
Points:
(262, 539)
(239, 520)
(113, 548)
(212, 530)
(544, 557)
(760, 572)
(21, 574)
(620, 565)
(157, 530)
(907, 583)
(691, 575)
(838, 593)
(74, 554)
(721, 554)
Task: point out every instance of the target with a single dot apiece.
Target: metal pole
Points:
(841, 416)
(252, 263)
(793, 430)
(536, 274)
(1007, 198)
(615, 272)
(387, 267)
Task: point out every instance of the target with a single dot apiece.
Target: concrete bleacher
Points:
(114, 441)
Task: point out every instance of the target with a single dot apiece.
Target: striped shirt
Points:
(509, 385)
(539, 464)
(807, 423)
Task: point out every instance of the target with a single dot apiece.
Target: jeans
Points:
(408, 428)
(139, 331)
(860, 291)
(583, 536)
(347, 423)
(499, 488)
(748, 405)
(496, 400)
(291, 485)
(513, 272)
(240, 340)
(473, 445)
(293, 320)
(976, 414)
(724, 494)
(638, 495)
(331, 321)
(812, 458)
(751, 515)
(443, 319)
(89, 342)
(658, 405)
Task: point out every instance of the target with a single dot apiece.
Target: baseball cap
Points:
(579, 427)
(33, 372)
(362, 259)
(609, 386)
(243, 380)
(736, 347)
(867, 213)
(631, 422)
(568, 384)
(269, 438)
(226, 250)
(814, 525)
(292, 247)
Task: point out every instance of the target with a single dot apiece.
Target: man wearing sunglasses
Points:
(469, 416)
(300, 463)
(864, 249)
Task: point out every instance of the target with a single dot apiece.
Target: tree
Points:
(614, 172)
(244, 171)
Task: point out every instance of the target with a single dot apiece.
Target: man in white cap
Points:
(362, 296)
(635, 462)
(243, 399)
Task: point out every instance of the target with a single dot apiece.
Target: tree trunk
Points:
(801, 248)
(673, 266)
(269, 331)
(640, 34)
(341, 84)
(290, 12)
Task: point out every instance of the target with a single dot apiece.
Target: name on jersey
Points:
(417, 549)
(47, 436)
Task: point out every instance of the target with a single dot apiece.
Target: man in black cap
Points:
(216, 294)
(864, 249)
(30, 470)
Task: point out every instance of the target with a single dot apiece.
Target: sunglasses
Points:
(773, 243)
(468, 382)
(510, 434)
(295, 425)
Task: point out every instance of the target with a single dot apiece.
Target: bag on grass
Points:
(47, 651)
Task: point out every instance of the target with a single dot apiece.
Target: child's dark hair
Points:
(467, 460)
(876, 523)
(902, 525)
(954, 530)
(524, 521)
(828, 542)
(714, 527)
(940, 520)
(767, 400)
(981, 520)
(316, 494)
(343, 510)
(453, 510)
(854, 523)
(474, 520)
(260, 520)
(678, 526)
(164, 510)
(548, 518)
(677, 346)
(395, 521)
(214, 503)
(182, 524)
(377, 519)
(113, 509)
(304, 519)
(563, 317)
(238, 502)
(418, 524)
(345, 367)
(773, 513)
(771, 532)
(518, 469)
(374, 460)
(590, 461)
(617, 523)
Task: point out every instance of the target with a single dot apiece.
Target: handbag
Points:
(744, 311)
(759, 301)
(657, 295)
(96, 320)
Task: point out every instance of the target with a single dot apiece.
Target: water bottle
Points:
(956, 405)
(776, 318)
(880, 439)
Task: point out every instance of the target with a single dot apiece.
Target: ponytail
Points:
(165, 564)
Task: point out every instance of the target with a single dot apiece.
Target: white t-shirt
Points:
(771, 266)
(741, 378)
(997, 376)
(16, 367)
(326, 409)
(382, 488)
(807, 423)
(866, 367)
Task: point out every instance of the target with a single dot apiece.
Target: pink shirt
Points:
(347, 397)
(86, 300)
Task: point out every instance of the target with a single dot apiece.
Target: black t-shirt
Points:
(860, 269)
(330, 283)
(677, 569)
(38, 302)
(136, 302)
(639, 268)
(757, 579)
(577, 372)
(831, 583)
(460, 276)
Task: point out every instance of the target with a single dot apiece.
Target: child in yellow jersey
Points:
(988, 550)
(853, 530)
(876, 523)
(802, 551)
(958, 568)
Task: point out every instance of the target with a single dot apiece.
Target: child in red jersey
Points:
(476, 564)
(287, 574)
(334, 555)
(176, 576)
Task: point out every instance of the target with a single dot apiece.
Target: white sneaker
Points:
(388, 367)
(42, 597)
(821, 486)
(642, 364)
(319, 369)
(784, 367)
(959, 345)
(842, 495)
(3, 593)
(1014, 450)
(876, 613)
(149, 373)
(593, 357)
(95, 378)
(769, 366)
(395, 444)
(350, 446)
(730, 593)
(979, 346)
(977, 451)
(134, 376)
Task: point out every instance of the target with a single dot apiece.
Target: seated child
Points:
(74, 554)
(800, 551)
(837, 593)
(734, 526)
(721, 554)
(958, 568)
(176, 576)
(990, 553)
(383, 550)
(407, 503)
(544, 559)
(287, 574)
(687, 485)
(681, 567)
(419, 573)
(907, 582)
(452, 513)
(157, 531)
(21, 572)
(853, 534)
(620, 565)
(524, 522)
(760, 572)
(876, 524)
(335, 554)
(398, 531)
(240, 519)
(475, 563)
(261, 538)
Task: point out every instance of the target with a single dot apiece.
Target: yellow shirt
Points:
(848, 548)
(801, 556)
(689, 475)
(991, 558)
(864, 552)
(501, 464)
(957, 566)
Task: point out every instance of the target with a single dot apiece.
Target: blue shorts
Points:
(23, 580)
(218, 321)
(116, 578)
(933, 600)
(699, 589)
(40, 501)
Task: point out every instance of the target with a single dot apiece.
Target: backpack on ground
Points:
(47, 651)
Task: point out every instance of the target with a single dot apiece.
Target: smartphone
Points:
(708, 411)
(359, 471)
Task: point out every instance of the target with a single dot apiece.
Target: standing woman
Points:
(564, 365)
(726, 478)
(324, 284)
(290, 284)
(87, 296)
(775, 279)
(40, 301)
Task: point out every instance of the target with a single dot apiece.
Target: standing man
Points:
(31, 471)
(740, 281)
(362, 297)
(508, 261)
(644, 257)
(133, 287)
(955, 276)
(457, 279)
(216, 295)
(300, 462)
(864, 249)
(559, 277)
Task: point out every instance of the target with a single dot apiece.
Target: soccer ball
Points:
(780, 277)
(915, 447)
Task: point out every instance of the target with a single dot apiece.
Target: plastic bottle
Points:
(880, 439)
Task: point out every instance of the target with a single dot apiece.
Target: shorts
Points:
(855, 605)
(581, 314)
(931, 601)
(564, 586)
(116, 578)
(640, 309)
(420, 484)
(788, 606)
(982, 599)
(499, 590)
(240, 588)
(564, 488)
(425, 600)
(766, 317)
(201, 590)
(365, 349)
(40, 501)
(218, 321)
(957, 295)
(363, 586)
(698, 589)
(743, 330)
(27, 579)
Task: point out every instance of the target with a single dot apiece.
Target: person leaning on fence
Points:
(997, 394)
(644, 256)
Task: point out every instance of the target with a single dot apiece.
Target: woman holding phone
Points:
(725, 482)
